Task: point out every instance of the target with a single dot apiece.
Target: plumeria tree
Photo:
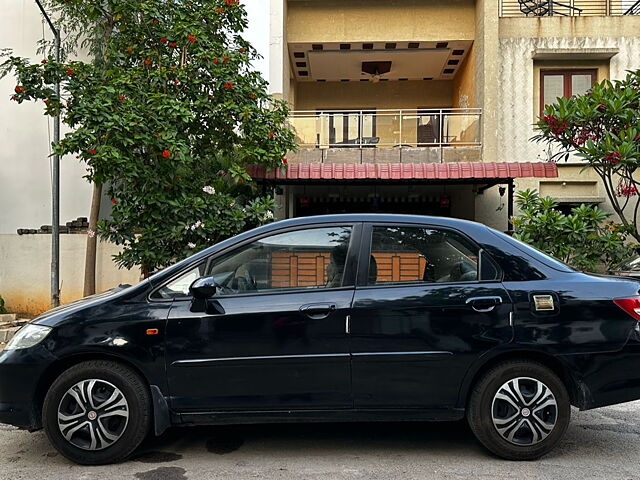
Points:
(603, 128)
(585, 238)
(167, 115)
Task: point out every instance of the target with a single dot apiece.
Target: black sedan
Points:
(334, 318)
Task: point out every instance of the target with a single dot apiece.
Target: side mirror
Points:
(203, 288)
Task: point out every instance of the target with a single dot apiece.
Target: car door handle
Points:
(318, 311)
(483, 304)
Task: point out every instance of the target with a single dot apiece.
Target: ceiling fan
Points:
(375, 70)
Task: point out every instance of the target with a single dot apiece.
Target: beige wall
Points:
(464, 87)
(380, 20)
(353, 95)
(26, 135)
(25, 270)
(541, 27)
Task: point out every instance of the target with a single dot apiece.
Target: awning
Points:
(464, 171)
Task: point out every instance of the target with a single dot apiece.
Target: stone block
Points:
(342, 155)
(420, 155)
(305, 155)
(387, 155)
(462, 154)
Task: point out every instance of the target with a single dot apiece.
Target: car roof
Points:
(374, 217)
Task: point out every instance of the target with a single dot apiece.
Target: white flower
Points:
(191, 245)
(208, 189)
(232, 204)
(91, 233)
(113, 229)
(269, 214)
(198, 224)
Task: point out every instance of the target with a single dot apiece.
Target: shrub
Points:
(584, 239)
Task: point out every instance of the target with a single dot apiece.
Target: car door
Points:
(429, 304)
(274, 335)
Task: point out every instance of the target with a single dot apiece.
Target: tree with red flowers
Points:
(167, 116)
(603, 128)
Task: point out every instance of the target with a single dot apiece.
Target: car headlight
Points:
(28, 336)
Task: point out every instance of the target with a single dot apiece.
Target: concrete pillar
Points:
(486, 50)
(279, 65)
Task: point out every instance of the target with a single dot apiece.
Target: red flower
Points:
(228, 85)
(253, 95)
(613, 157)
(191, 38)
(224, 59)
(14, 98)
(147, 62)
(93, 151)
(19, 89)
(215, 60)
(46, 100)
(242, 50)
(284, 161)
(219, 10)
(271, 134)
(122, 98)
(173, 44)
(70, 71)
(154, 21)
(114, 201)
(44, 60)
(231, 3)
(130, 50)
(163, 39)
(166, 153)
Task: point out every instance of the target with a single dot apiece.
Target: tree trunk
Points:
(92, 243)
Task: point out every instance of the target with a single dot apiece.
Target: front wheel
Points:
(97, 412)
(519, 410)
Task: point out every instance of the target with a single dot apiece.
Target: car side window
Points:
(313, 258)
(179, 287)
(417, 254)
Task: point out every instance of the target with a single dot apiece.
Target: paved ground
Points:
(602, 444)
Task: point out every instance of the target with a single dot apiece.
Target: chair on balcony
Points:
(544, 8)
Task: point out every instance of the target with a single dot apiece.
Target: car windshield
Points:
(534, 252)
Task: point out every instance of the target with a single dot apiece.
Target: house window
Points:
(564, 83)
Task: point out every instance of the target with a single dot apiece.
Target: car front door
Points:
(273, 337)
(430, 303)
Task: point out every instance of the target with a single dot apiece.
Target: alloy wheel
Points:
(93, 414)
(524, 411)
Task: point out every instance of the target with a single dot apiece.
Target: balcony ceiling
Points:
(342, 62)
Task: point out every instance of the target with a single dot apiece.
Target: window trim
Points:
(567, 73)
(348, 281)
(365, 256)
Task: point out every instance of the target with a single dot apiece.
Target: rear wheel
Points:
(519, 410)
(97, 412)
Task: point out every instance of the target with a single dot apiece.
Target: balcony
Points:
(568, 8)
(388, 136)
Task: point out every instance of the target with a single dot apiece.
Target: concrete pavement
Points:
(600, 444)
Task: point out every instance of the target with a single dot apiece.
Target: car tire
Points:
(521, 426)
(97, 412)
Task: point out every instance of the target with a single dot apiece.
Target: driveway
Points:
(602, 444)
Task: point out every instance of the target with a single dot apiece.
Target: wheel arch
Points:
(56, 368)
(578, 392)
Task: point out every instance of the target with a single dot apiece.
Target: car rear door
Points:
(429, 304)
(274, 336)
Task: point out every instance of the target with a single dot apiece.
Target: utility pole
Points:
(55, 178)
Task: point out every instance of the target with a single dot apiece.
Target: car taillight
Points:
(629, 305)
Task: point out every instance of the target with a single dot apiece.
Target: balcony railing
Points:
(568, 8)
(387, 128)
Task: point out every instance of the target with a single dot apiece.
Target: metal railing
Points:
(568, 8)
(387, 128)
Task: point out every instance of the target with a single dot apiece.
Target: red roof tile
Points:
(408, 171)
